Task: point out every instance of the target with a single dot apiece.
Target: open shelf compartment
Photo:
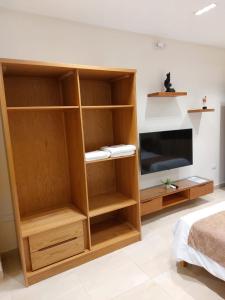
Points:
(114, 227)
(175, 198)
(47, 153)
(30, 90)
(111, 185)
(107, 90)
(108, 127)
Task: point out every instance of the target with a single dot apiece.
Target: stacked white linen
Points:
(95, 155)
(119, 150)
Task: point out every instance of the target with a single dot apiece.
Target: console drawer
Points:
(48, 256)
(54, 236)
(151, 206)
(201, 190)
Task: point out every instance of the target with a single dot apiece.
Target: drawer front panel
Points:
(151, 206)
(201, 190)
(55, 236)
(56, 253)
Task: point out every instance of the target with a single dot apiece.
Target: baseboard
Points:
(220, 185)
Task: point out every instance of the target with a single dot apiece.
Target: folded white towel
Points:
(117, 149)
(95, 155)
(128, 153)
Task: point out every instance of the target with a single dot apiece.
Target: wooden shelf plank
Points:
(107, 159)
(167, 94)
(50, 219)
(109, 232)
(107, 106)
(200, 110)
(108, 202)
(38, 108)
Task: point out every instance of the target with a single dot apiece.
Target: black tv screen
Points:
(165, 150)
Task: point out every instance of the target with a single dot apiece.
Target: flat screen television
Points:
(165, 150)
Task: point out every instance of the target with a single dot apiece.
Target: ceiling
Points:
(163, 18)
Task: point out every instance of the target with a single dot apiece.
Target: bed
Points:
(184, 253)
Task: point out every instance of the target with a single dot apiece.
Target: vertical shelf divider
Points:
(77, 80)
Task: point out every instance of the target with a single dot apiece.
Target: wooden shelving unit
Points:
(167, 94)
(201, 110)
(69, 211)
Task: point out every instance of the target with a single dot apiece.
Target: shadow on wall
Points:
(196, 121)
(160, 108)
(222, 146)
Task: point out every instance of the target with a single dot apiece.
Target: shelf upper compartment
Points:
(102, 204)
(201, 110)
(50, 219)
(110, 232)
(167, 94)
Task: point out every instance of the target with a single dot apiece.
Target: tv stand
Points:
(159, 197)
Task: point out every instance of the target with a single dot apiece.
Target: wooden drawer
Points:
(47, 256)
(201, 190)
(55, 236)
(151, 206)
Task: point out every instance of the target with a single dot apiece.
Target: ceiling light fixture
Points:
(205, 9)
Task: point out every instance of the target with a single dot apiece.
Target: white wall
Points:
(200, 70)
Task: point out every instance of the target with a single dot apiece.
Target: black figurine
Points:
(168, 85)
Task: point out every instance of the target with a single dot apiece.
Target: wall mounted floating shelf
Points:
(200, 110)
(167, 94)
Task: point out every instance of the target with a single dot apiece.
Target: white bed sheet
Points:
(184, 252)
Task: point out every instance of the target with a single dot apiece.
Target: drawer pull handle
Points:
(43, 249)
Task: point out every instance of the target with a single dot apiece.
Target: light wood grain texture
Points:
(40, 108)
(54, 113)
(101, 178)
(49, 219)
(55, 236)
(45, 257)
(12, 175)
(201, 110)
(108, 232)
(201, 190)
(167, 94)
(108, 202)
(46, 272)
(26, 67)
(187, 190)
(151, 206)
(95, 107)
(32, 91)
(41, 163)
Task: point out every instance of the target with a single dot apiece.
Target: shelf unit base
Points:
(46, 272)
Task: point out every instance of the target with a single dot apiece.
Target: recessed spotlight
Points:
(205, 9)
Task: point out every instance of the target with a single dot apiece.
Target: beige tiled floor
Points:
(144, 271)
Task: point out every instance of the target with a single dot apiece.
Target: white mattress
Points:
(184, 252)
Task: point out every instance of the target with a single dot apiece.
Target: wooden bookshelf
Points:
(200, 110)
(167, 94)
(52, 114)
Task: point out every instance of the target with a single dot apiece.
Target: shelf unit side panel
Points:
(12, 176)
(85, 186)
